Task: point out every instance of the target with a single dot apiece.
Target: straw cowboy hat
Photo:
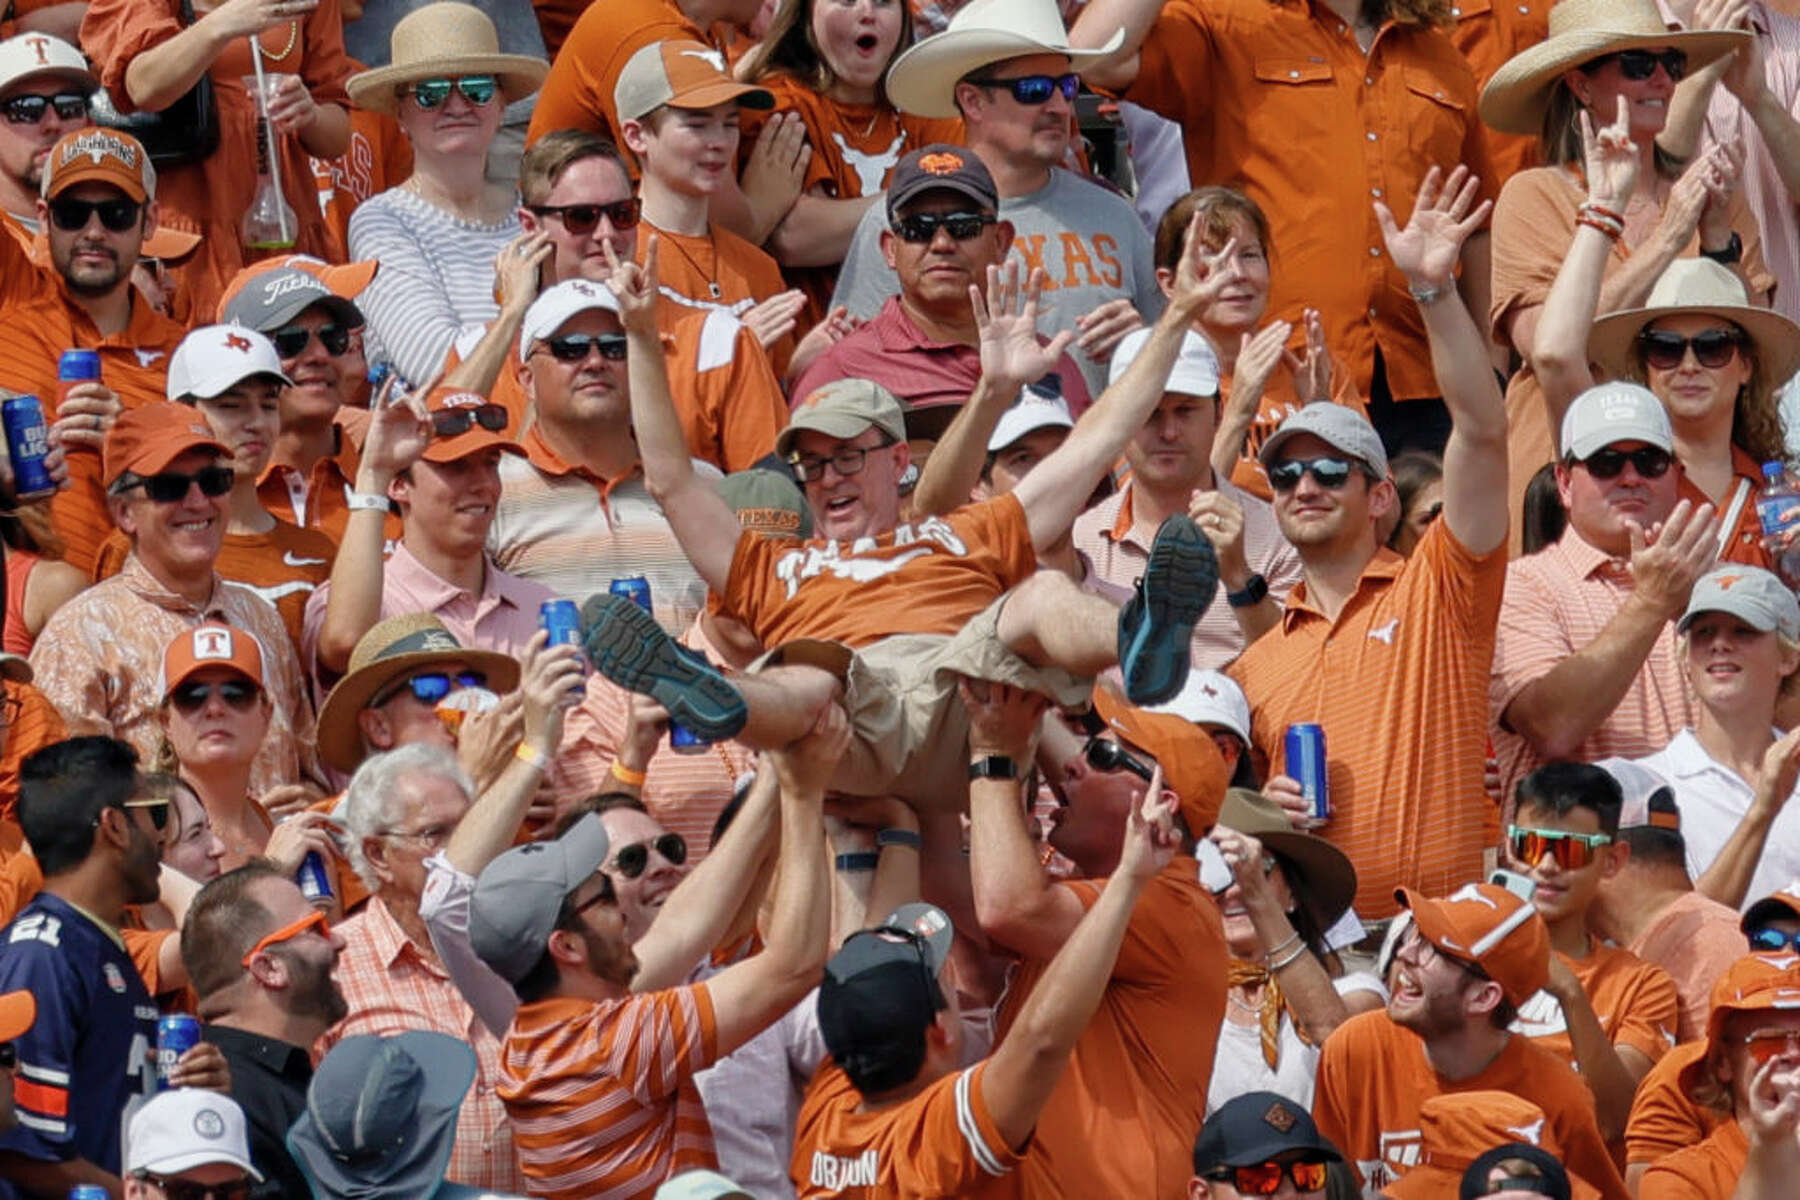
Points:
(1702, 286)
(923, 80)
(1319, 874)
(1581, 31)
(439, 40)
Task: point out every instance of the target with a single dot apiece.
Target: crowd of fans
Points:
(809, 598)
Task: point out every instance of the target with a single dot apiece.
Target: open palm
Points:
(1006, 322)
(1443, 217)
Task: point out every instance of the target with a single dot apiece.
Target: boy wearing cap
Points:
(892, 1116)
(1469, 960)
(1586, 663)
(184, 1142)
(1255, 1138)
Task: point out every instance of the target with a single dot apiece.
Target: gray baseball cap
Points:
(1344, 429)
(271, 299)
(1615, 412)
(518, 896)
(1754, 596)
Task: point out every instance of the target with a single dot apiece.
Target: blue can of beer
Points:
(636, 589)
(1306, 765)
(313, 878)
(562, 621)
(175, 1036)
(78, 366)
(89, 1191)
(27, 445)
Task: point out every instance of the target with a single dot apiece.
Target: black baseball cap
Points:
(941, 167)
(1254, 1128)
(881, 988)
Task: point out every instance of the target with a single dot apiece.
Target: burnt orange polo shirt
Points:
(316, 499)
(1743, 542)
(1276, 98)
(1488, 32)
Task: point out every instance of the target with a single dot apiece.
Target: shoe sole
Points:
(625, 644)
(1156, 626)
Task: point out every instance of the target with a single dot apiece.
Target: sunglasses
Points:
(157, 808)
(1713, 348)
(1330, 473)
(452, 421)
(1651, 462)
(1642, 64)
(431, 93)
(1766, 1045)
(575, 347)
(1264, 1179)
(117, 215)
(1775, 940)
(29, 110)
(238, 694)
(1572, 851)
(632, 860)
(171, 487)
(605, 895)
(582, 218)
(920, 228)
(431, 687)
(293, 340)
(187, 1189)
(1104, 754)
(1035, 89)
(313, 921)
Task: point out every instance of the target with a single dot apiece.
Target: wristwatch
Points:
(994, 766)
(1733, 251)
(1254, 591)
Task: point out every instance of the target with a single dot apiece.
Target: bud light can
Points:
(77, 366)
(27, 445)
(89, 1191)
(562, 621)
(313, 878)
(175, 1036)
(636, 589)
(1306, 765)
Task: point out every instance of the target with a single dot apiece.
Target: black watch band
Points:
(859, 860)
(994, 766)
(899, 837)
(1729, 256)
(1255, 590)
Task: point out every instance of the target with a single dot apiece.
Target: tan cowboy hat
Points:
(1318, 873)
(1698, 285)
(923, 79)
(392, 650)
(1580, 31)
(445, 39)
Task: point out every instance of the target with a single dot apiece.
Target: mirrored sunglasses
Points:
(1104, 754)
(430, 686)
(1034, 89)
(919, 228)
(1329, 473)
(573, 347)
(1264, 1179)
(431, 93)
(1570, 851)
(238, 695)
(29, 110)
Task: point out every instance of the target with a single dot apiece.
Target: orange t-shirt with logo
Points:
(1708, 1171)
(378, 157)
(925, 576)
(720, 270)
(1373, 1076)
(1664, 1118)
(941, 1142)
(1636, 1002)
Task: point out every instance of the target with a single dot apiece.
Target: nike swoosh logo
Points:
(275, 593)
(287, 556)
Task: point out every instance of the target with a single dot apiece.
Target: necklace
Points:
(293, 36)
(712, 277)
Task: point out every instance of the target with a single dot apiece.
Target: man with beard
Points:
(260, 957)
(1462, 970)
(98, 839)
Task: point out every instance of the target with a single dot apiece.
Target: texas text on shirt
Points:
(1636, 1003)
(1278, 100)
(941, 1142)
(1400, 684)
(378, 157)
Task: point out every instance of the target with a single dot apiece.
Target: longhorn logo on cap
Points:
(941, 163)
(1725, 581)
(238, 342)
(711, 58)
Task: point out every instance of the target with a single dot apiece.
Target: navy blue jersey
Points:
(93, 1045)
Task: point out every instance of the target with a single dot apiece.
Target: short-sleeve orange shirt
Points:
(1708, 1171)
(1664, 1118)
(378, 157)
(1400, 684)
(1276, 98)
(1636, 1003)
(718, 271)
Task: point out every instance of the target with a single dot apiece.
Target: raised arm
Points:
(1728, 878)
(1094, 28)
(1426, 253)
(1747, 79)
(703, 523)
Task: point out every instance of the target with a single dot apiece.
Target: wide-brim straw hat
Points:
(1320, 875)
(445, 40)
(1580, 31)
(923, 80)
(1703, 287)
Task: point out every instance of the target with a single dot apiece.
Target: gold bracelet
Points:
(627, 776)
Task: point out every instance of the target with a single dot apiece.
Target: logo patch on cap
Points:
(1467, 892)
(437, 639)
(711, 58)
(1280, 1116)
(209, 1124)
(212, 643)
(462, 400)
(1533, 1133)
(97, 144)
(292, 281)
(941, 163)
(238, 342)
(1725, 581)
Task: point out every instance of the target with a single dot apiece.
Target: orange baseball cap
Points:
(1754, 983)
(96, 155)
(1192, 766)
(1491, 927)
(452, 408)
(682, 75)
(346, 281)
(211, 645)
(1458, 1128)
(146, 440)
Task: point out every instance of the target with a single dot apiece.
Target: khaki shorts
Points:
(911, 730)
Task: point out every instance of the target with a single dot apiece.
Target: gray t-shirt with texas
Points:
(1087, 239)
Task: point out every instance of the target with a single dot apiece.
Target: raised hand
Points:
(1106, 326)
(1202, 274)
(1444, 215)
(1006, 329)
(1725, 164)
(1259, 354)
(518, 266)
(1668, 560)
(289, 103)
(550, 685)
(1610, 158)
(85, 415)
(399, 431)
(1311, 367)
(1151, 838)
(1744, 76)
(773, 319)
(776, 169)
(634, 285)
(837, 325)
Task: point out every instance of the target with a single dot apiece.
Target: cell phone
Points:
(1215, 872)
(1522, 886)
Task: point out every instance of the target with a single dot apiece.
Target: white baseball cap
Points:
(1615, 412)
(1754, 596)
(1210, 698)
(179, 1130)
(700, 1185)
(32, 54)
(1036, 408)
(214, 358)
(552, 310)
(1196, 369)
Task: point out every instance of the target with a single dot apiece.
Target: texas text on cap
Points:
(1256, 1127)
(841, 409)
(477, 437)
(216, 358)
(33, 54)
(1615, 412)
(941, 167)
(99, 156)
(1491, 927)
(194, 650)
(681, 75)
(552, 310)
(1036, 408)
(267, 300)
(1754, 983)
(1343, 429)
(519, 894)
(1754, 596)
(147, 439)
(882, 985)
(767, 502)
(1196, 369)
(1192, 766)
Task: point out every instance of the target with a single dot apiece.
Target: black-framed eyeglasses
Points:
(291, 340)
(918, 229)
(634, 859)
(238, 694)
(30, 110)
(846, 461)
(1641, 64)
(431, 93)
(171, 487)
(117, 214)
(1264, 1178)
(575, 347)
(605, 895)
(1104, 754)
(1771, 940)
(450, 422)
(1034, 89)
(1664, 351)
(429, 687)
(582, 218)
(187, 1189)
(1651, 462)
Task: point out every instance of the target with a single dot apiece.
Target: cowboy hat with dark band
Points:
(1318, 873)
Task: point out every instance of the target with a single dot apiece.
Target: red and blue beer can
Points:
(1306, 766)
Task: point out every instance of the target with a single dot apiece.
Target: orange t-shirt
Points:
(20, 879)
(1279, 401)
(1664, 1118)
(1636, 1003)
(1373, 1076)
(38, 724)
(718, 271)
(941, 1142)
(602, 1096)
(1122, 1120)
(379, 157)
(927, 576)
(1399, 682)
(1708, 1171)
(283, 566)
(1488, 32)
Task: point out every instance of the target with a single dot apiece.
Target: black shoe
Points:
(1157, 623)
(625, 644)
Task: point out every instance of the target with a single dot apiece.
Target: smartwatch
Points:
(1733, 251)
(1256, 589)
